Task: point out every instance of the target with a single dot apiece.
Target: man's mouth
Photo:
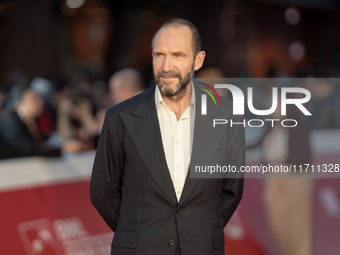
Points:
(170, 77)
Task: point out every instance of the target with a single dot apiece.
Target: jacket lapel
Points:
(143, 128)
(205, 143)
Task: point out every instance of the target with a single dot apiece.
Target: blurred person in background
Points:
(210, 72)
(324, 104)
(76, 123)
(125, 84)
(213, 76)
(100, 95)
(46, 121)
(19, 132)
(122, 85)
(288, 200)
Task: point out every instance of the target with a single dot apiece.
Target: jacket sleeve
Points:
(233, 183)
(106, 180)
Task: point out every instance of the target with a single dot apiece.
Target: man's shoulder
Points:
(227, 105)
(224, 106)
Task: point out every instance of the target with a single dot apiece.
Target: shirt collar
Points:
(159, 99)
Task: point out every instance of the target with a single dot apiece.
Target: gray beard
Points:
(178, 92)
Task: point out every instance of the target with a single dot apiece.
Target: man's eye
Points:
(159, 55)
(178, 55)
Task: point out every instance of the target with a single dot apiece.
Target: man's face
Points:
(173, 59)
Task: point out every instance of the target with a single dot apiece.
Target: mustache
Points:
(168, 74)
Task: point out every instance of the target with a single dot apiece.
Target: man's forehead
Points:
(177, 37)
(171, 46)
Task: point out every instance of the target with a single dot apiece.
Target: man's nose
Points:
(167, 64)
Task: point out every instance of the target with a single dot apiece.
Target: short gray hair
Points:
(195, 36)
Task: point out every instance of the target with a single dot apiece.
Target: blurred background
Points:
(66, 51)
(52, 38)
(64, 62)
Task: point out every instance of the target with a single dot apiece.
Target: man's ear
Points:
(199, 60)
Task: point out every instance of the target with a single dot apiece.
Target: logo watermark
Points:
(274, 100)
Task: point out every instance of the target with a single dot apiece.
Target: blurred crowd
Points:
(46, 117)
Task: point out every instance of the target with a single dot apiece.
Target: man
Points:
(125, 84)
(140, 183)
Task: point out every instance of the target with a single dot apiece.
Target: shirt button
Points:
(178, 166)
(178, 191)
(171, 242)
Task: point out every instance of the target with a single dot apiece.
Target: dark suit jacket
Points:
(132, 189)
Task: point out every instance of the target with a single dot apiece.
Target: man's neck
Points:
(179, 103)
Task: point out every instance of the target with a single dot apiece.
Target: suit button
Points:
(179, 210)
(171, 242)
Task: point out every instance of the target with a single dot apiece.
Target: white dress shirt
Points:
(176, 138)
